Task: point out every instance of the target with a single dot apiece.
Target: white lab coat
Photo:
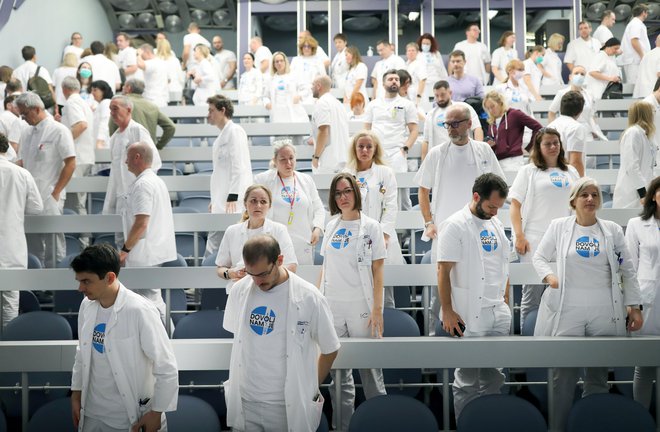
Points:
(638, 154)
(139, 354)
(232, 169)
(309, 328)
(230, 253)
(120, 177)
(557, 240)
(468, 276)
(369, 229)
(280, 94)
(250, 87)
(644, 235)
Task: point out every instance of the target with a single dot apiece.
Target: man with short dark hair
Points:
(29, 69)
(573, 134)
(462, 85)
(603, 32)
(473, 281)
(127, 57)
(103, 68)
(19, 196)
(635, 42)
(147, 114)
(47, 151)
(389, 60)
(225, 63)
(583, 49)
(125, 374)
(476, 55)
(339, 66)
(275, 314)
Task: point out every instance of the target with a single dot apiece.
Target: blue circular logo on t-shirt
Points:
(559, 179)
(587, 247)
(280, 85)
(287, 194)
(440, 119)
(488, 240)
(262, 320)
(98, 338)
(340, 238)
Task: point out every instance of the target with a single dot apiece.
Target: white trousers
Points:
(471, 383)
(644, 376)
(512, 163)
(9, 310)
(350, 320)
(264, 417)
(631, 71)
(94, 425)
(580, 321)
(42, 245)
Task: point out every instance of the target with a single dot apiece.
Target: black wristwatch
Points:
(405, 149)
(125, 249)
(316, 157)
(226, 274)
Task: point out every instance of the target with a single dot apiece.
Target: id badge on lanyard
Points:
(365, 251)
(292, 197)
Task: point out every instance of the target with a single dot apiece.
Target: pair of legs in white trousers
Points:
(264, 417)
(580, 321)
(471, 383)
(94, 425)
(43, 245)
(9, 306)
(644, 376)
(350, 320)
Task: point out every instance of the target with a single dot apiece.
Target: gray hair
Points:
(279, 145)
(29, 100)
(136, 85)
(581, 184)
(71, 83)
(148, 48)
(462, 108)
(144, 150)
(125, 101)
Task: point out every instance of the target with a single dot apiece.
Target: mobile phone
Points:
(460, 326)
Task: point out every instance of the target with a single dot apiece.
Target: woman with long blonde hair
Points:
(175, 75)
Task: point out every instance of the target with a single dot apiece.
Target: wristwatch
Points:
(405, 149)
(426, 224)
(226, 274)
(636, 306)
(125, 249)
(316, 157)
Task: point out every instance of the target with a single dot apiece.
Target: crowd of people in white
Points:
(474, 129)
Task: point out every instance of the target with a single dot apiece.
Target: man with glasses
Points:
(449, 170)
(280, 323)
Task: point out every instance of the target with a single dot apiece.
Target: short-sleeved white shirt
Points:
(104, 69)
(434, 124)
(128, 57)
(634, 29)
(328, 111)
(156, 82)
(602, 34)
(382, 66)
(606, 65)
(573, 135)
(77, 110)
(587, 110)
(359, 72)
(648, 73)
(263, 53)
(476, 57)
(148, 195)
(27, 70)
(43, 149)
(501, 57)
(389, 119)
(192, 40)
(223, 58)
(582, 53)
(417, 70)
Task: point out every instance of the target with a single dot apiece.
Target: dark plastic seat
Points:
(393, 413)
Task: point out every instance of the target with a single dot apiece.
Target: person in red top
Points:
(506, 130)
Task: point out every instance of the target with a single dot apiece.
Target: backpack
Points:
(477, 104)
(41, 87)
(614, 90)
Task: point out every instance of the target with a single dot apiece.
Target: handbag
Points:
(188, 91)
(614, 90)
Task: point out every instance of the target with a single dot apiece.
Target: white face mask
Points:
(426, 48)
(519, 75)
(577, 80)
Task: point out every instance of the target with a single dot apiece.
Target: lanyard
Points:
(292, 197)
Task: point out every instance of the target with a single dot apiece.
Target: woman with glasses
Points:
(638, 151)
(378, 190)
(535, 192)
(643, 240)
(506, 128)
(297, 204)
(307, 66)
(352, 281)
(593, 291)
(257, 202)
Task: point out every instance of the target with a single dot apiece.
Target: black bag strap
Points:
(36, 74)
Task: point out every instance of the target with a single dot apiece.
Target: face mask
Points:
(577, 80)
(539, 60)
(518, 75)
(426, 48)
(85, 73)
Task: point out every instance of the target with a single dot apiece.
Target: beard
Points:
(443, 104)
(480, 213)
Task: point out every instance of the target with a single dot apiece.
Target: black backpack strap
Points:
(36, 74)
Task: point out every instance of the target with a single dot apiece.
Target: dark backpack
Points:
(614, 90)
(477, 104)
(41, 87)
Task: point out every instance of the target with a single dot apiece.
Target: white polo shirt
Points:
(476, 55)
(76, 110)
(128, 57)
(156, 87)
(634, 29)
(27, 70)
(389, 119)
(382, 66)
(328, 111)
(104, 69)
(582, 52)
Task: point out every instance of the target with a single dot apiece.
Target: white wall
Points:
(47, 25)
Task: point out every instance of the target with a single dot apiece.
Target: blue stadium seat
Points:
(213, 299)
(34, 262)
(192, 413)
(55, 416)
(169, 171)
(185, 246)
(184, 210)
(608, 412)
(67, 303)
(400, 324)
(178, 302)
(73, 245)
(500, 413)
(105, 238)
(105, 172)
(198, 202)
(393, 413)
(28, 302)
(209, 261)
(203, 166)
(38, 325)
(97, 206)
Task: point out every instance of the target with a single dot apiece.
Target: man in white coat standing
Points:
(473, 280)
(330, 125)
(147, 220)
(278, 316)
(19, 196)
(125, 374)
(232, 169)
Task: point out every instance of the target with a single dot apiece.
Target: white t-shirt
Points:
(417, 70)
(342, 277)
(128, 57)
(250, 87)
(501, 57)
(389, 119)
(493, 255)
(634, 29)
(192, 40)
(7, 120)
(104, 402)
(435, 67)
(148, 195)
(517, 97)
(328, 111)
(263, 53)
(648, 73)
(459, 169)
(43, 149)
(156, 82)
(533, 71)
(655, 104)
(606, 65)
(58, 76)
(434, 124)
(588, 275)
(476, 57)
(27, 70)
(77, 110)
(223, 58)
(582, 53)
(73, 49)
(553, 65)
(104, 69)
(587, 111)
(382, 66)
(265, 343)
(573, 135)
(549, 188)
(101, 132)
(602, 34)
(359, 72)
(298, 224)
